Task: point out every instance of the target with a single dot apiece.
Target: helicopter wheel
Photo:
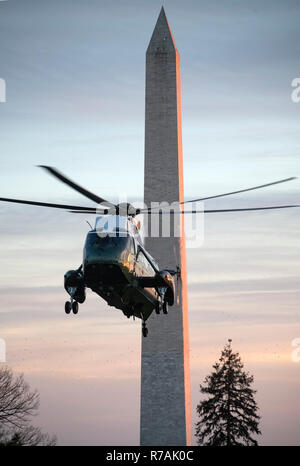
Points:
(157, 307)
(165, 307)
(144, 330)
(68, 307)
(75, 307)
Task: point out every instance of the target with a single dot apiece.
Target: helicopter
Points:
(116, 264)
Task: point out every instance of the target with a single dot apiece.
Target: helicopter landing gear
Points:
(144, 329)
(161, 305)
(165, 307)
(68, 307)
(71, 306)
(75, 307)
(157, 307)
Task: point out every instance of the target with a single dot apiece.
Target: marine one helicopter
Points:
(116, 264)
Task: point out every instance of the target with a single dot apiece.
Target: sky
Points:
(75, 90)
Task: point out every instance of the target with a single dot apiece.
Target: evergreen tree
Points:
(228, 416)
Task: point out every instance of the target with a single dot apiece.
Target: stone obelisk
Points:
(165, 378)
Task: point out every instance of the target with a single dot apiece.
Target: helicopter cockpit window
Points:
(144, 265)
(112, 225)
(99, 243)
(121, 231)
(105, 226)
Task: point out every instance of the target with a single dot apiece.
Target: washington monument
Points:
(165, 380)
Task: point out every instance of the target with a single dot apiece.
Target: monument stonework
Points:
(165, 376)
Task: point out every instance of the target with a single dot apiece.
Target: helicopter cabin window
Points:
(112, 224)
(144, 266)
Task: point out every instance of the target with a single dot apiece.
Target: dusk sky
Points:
(75, 89)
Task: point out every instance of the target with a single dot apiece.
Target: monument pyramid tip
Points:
(162, 36)
(162, 17)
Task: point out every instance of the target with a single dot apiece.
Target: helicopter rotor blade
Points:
(227, 194)
(209, 211)
(242, 190)
(60, 176)
(46, 204)
(89, 211)
(206, 211)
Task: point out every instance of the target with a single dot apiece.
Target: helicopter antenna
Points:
(89, 224)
